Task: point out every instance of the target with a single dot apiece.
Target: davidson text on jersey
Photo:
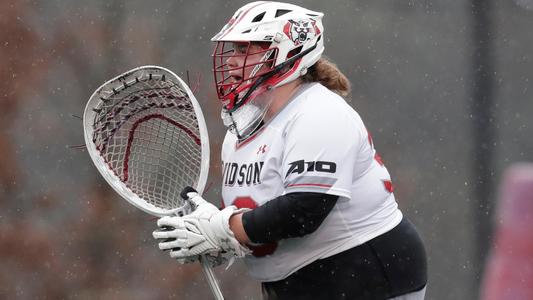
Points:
(242, 174)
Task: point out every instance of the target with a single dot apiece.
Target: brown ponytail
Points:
(329, 75)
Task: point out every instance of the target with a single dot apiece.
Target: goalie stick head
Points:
(146, 134)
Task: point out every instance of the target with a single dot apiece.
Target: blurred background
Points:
(445, 87)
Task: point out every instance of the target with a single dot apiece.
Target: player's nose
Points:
(232, 61)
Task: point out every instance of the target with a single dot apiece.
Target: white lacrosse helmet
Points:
(291, 41)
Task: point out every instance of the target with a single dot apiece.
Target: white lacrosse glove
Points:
(204, 231)
(213, 261)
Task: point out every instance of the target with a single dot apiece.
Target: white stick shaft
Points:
(210, 276)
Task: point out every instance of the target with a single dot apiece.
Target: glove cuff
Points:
(228, 242)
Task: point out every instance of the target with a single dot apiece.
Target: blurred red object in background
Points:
(509, 271)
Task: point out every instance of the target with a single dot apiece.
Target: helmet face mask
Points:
(263, 46)
(237, 66)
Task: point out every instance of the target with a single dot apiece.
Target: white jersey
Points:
(317, 143)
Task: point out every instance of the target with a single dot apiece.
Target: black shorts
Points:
(389, 265)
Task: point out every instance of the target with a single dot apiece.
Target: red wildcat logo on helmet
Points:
(301, 31)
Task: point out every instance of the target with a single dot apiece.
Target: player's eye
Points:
(240, 48)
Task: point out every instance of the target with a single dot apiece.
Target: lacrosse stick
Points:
(146, 134)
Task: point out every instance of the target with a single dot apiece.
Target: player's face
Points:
(247, 61)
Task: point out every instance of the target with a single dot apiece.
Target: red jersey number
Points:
(386, 182)
(257, 251)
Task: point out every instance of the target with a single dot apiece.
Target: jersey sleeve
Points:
(321, 146)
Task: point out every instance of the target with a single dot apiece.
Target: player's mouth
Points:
(235, 78)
